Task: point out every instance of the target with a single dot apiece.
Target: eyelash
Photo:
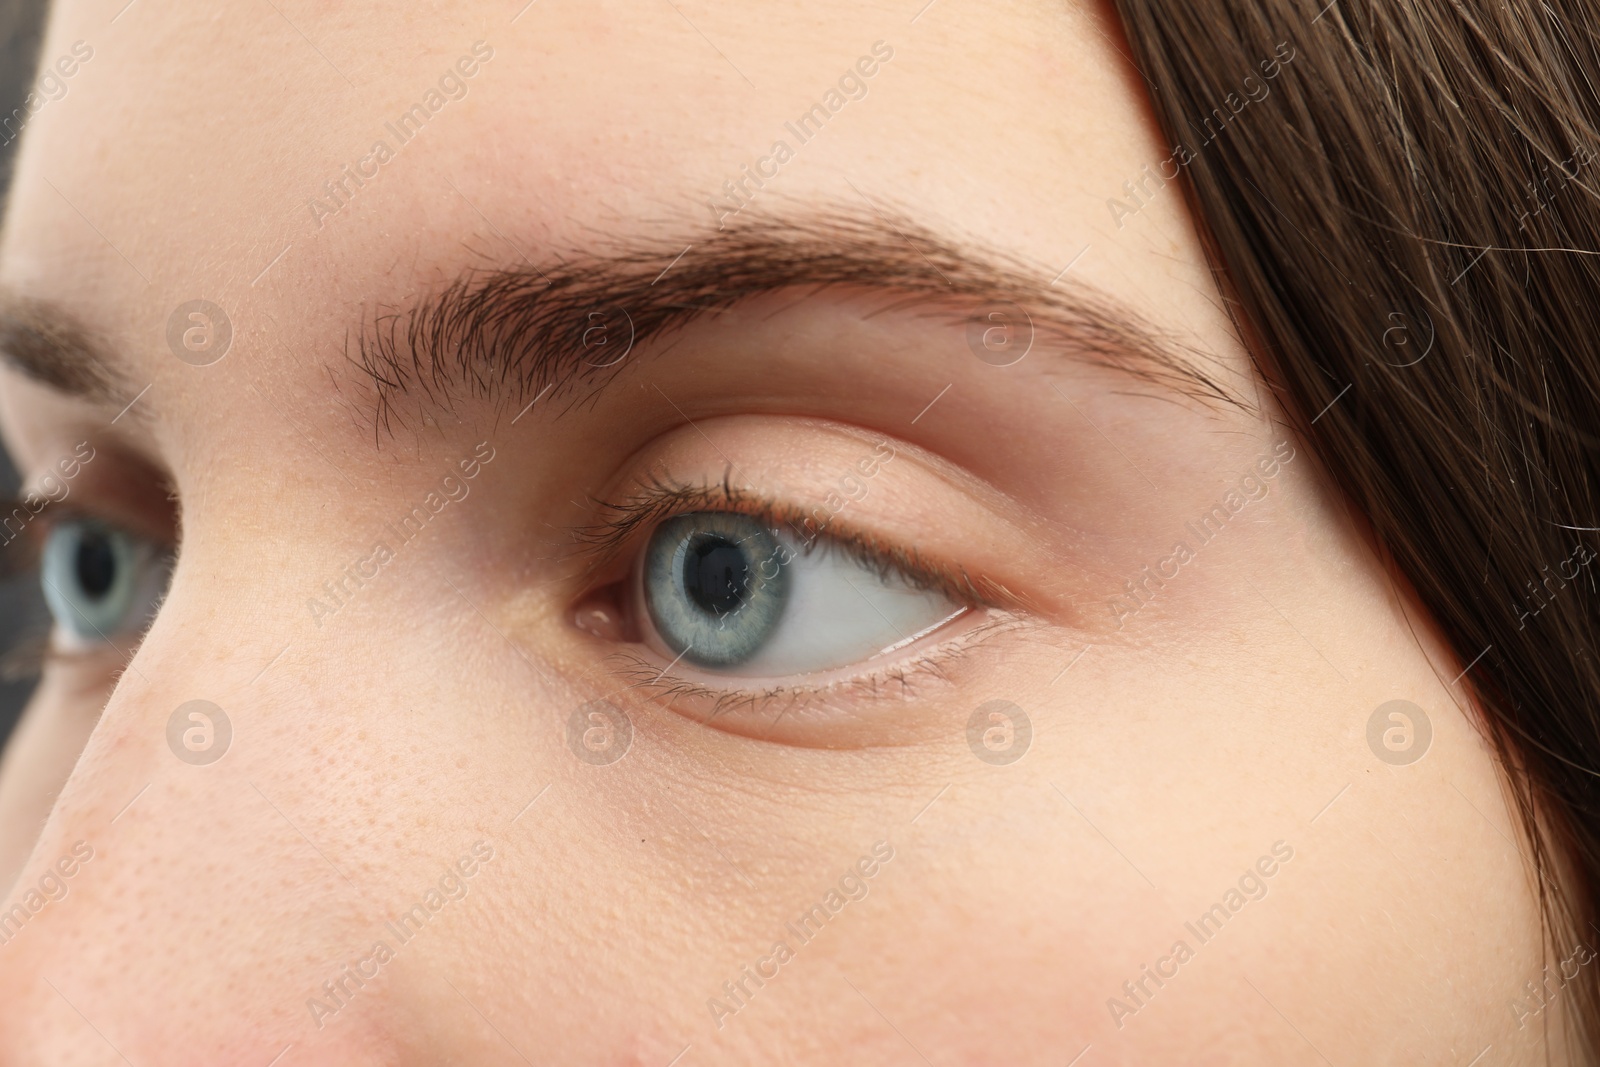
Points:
(657, 499)
(660, 497)
(928, 666)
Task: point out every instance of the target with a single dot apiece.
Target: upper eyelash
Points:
(659, 497)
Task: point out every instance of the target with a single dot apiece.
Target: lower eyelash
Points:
(28, 654)
(35, 649)
(901, 678)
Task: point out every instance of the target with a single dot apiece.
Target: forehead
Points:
(297, 163)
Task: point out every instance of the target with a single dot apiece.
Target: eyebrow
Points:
(49, 344)
(518, 333)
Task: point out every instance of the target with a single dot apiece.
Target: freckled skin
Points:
(377, 745)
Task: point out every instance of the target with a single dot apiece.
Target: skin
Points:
(374, 747)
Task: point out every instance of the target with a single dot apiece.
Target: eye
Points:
(100, 581)
(728, 592)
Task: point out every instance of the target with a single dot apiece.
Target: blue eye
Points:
(726, 591)
(101, 582)
(716, 585)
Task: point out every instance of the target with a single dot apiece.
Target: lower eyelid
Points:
(815, 706)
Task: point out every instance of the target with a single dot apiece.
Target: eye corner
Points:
(602, 613)
(862, 614)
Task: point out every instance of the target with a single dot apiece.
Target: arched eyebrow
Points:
(517, 333)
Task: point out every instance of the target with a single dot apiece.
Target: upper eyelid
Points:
(113, 484)
(661, 497)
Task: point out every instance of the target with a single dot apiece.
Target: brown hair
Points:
(1403, 227)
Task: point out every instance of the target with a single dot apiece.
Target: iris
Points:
(100, 581)
(716, 585)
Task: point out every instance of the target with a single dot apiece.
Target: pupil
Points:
(96, 565)
(715, 574)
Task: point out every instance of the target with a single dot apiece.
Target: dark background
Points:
(22, 608)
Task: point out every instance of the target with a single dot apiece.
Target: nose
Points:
(183, 903)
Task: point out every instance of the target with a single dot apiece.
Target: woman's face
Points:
(705, 534)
